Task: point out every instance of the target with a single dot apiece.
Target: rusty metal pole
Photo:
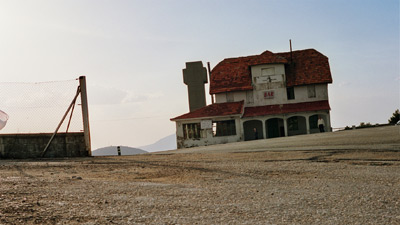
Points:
(85, 115)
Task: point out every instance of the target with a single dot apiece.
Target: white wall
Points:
(220, 98)
(276, 83)
(237, 95)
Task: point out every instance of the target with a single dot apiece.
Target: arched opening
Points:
(313, 122)
(297, 125)
(249, 127)
(274, 128)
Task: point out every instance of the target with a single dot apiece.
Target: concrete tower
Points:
(195, 76)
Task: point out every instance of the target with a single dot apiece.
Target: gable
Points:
(301, 67)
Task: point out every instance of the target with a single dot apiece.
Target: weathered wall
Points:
(20, 146)
(275, 84)
(208, 137)
(245, 126)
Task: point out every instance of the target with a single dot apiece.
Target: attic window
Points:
(268, 71)
(290, 93)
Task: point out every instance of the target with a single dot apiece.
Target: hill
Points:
(112, 150)
(164, 144)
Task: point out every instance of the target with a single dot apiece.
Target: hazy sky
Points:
(133, 52)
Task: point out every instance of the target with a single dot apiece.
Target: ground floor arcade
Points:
(210, 131)
(273, 126)
(221, 123)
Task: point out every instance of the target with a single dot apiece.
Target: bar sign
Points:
(269, 94)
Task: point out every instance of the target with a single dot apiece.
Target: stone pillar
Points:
(307, 123)
(328, 122)
(242, 129)
(285, 126)
(264, 129)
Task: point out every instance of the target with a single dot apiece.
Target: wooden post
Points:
(62, 120)
(85, 114)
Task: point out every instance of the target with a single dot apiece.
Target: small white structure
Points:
(262, 96)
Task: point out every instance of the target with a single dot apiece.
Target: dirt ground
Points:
(347, 177)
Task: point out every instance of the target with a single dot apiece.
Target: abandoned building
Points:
(256, 97)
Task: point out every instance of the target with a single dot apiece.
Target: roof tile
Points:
(234, 74)
(217, 109)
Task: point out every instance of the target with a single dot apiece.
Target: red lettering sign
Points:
(269, 94)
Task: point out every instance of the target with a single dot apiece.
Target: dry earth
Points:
(348, 177)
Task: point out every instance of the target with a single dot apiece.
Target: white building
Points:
(276, 94)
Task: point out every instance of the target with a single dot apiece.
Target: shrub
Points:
(395, 117)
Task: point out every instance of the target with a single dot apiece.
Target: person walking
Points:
(255, 134)
(321, 124)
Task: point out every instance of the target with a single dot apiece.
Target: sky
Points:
(133, 52)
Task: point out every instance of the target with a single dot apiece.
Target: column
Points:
(307, 123)
(263, 129)
(285, 126)
(328, 122)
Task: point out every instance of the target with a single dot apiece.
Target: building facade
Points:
(262, 96)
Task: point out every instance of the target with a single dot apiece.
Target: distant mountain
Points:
(164, 144)
(112, 150)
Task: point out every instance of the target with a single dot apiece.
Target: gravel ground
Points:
(349, 177)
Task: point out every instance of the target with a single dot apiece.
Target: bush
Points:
(364, 125)
(395, 117)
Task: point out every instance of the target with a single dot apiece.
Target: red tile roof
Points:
(286, 108)
(218, 109)
(309, 67)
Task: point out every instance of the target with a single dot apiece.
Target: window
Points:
(224, 128)
(191, 131)
(267, 71)
(293, 124)
(290, 93)
(268, 75)
(311, 91)
(229, 97)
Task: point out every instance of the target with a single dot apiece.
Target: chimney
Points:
(209, 77)
(195, 76)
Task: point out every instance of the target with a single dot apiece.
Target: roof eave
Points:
(302, 84)
(206, 118)
(224, 90)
